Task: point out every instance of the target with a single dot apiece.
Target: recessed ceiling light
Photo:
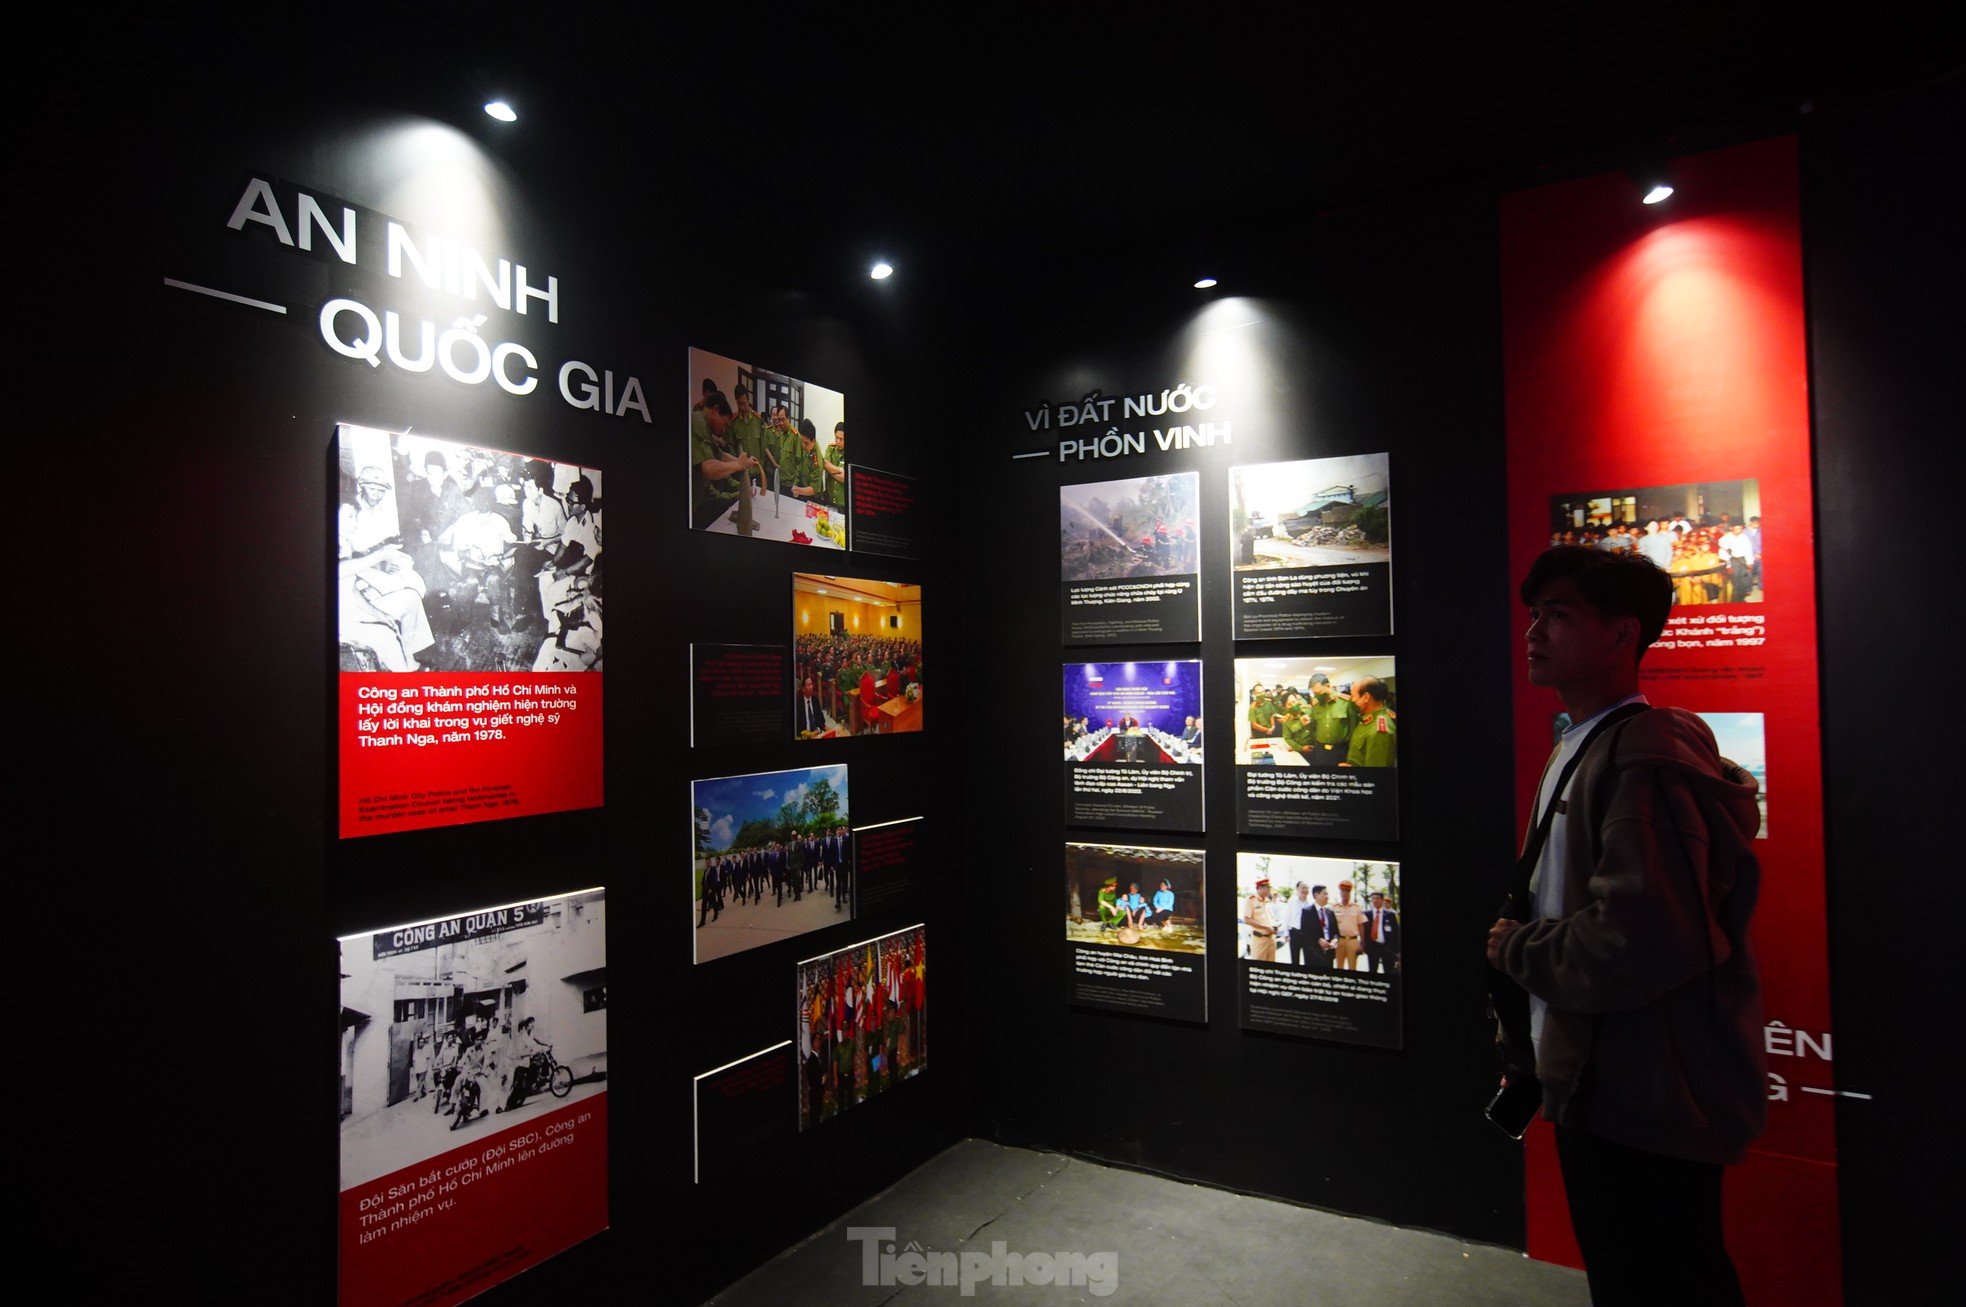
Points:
(1661, 191)
(881, 271)
(1204, 283)
(502, 111)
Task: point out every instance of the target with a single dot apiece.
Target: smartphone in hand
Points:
(1515, 1105)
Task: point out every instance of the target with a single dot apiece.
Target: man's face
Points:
(743, 404)
(372, 493)
(717, 421)
(1570, 642)
(435, 474)
(808, 687)
(1364, 699)
(1321, 897)
(1378, 901)
(779, 417)
(1303, 893)
(1322, 689)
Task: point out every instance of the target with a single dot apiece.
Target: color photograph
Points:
(773, 857)
(862, 1021)
(767, 454)
(1705, 534)
(856, 657)
(1321, 946)
(1133, 713)
(1319, 512)
(1329, 914)
(1742, 738)
(1130, 897)
(1316, 712)
(1147, 526)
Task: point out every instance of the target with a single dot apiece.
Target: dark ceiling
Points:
(990, 136)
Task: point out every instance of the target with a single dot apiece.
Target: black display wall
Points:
(1379, 328)
(1368, 332)
(202, 804)
(1885, 281)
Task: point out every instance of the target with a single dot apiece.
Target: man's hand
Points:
(1501, 930)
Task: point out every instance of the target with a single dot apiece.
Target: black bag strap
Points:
(1517, 905)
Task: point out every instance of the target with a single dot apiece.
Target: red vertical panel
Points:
(1666, 346)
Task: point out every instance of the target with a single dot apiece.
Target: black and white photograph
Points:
(458, 1027)
(451, 557)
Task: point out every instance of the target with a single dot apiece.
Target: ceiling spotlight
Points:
(1659, 191)
(881, 271)
(502, 111)
(1204, 283)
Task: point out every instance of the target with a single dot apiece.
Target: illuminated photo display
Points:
(1133, 744)
(470, 593)
(1312, 542)
(767, 454)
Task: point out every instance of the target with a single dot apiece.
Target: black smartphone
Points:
(1515, 1105)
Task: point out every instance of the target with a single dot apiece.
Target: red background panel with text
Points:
(1656, 362)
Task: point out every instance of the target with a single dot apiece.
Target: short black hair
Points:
(716, 401)
(1316, 890)
(1617, 585)
(839, 426)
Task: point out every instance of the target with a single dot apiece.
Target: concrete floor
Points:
(1139, 1239)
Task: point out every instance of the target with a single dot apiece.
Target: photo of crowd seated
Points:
(856, 657)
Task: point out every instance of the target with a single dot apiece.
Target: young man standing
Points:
(1645, 1007)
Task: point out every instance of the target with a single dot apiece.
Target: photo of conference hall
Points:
(856, 657)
